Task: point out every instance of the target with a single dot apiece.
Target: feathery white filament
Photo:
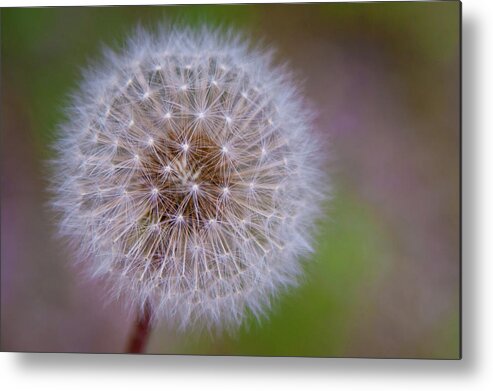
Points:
(188, 174)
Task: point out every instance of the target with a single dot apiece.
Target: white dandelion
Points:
(188, 175)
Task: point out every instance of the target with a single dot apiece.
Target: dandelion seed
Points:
(171, 222)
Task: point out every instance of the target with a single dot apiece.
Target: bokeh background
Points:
(385, 278)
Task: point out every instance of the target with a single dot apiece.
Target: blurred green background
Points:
(384, 79)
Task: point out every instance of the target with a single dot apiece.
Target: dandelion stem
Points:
(140, 334)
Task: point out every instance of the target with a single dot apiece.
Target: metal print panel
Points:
(266, 180)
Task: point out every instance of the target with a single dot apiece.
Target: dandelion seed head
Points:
(169, 198)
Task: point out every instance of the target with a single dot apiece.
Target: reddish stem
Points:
(140, 335)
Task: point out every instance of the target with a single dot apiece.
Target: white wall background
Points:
(474, 372)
